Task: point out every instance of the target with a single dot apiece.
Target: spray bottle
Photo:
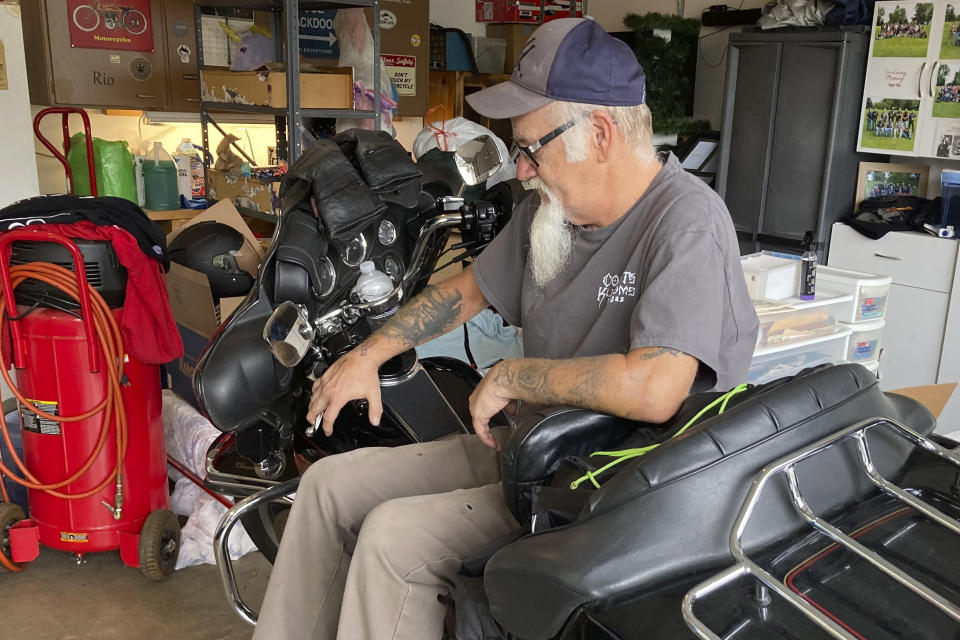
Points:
(808, 268)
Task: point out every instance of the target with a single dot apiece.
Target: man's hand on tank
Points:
(489, 398)
(352, 377)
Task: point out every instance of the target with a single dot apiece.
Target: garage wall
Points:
(711, 63)
(18, 172)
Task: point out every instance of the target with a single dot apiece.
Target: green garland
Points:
(689, 27)
(668, 87)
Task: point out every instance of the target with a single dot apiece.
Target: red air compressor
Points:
(94, 459)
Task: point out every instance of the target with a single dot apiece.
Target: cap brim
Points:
(506, 100)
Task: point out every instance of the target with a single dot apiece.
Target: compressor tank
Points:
(57, 378)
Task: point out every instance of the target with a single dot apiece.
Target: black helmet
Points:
(212, 248)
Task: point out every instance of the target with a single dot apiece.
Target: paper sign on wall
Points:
(3, 68)
(100, 25)
(403, 71)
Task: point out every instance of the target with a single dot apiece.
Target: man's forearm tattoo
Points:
(659, 352)
(533, 379)
(429, 315)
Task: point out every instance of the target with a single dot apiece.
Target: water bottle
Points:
(372, 285)
(808, 268)
(160, 180)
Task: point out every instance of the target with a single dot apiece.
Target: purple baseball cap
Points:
(569, 59)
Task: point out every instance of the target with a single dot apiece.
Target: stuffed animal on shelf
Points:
(254, 49)
(356, 51)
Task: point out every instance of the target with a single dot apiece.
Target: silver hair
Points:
(634, 122)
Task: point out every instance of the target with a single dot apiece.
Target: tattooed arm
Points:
(437, 310)
(647, 384)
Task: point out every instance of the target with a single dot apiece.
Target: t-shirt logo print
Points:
(617, 287)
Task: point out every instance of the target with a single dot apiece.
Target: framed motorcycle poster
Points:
(110, 24)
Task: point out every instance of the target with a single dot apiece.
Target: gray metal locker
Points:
(789, 132)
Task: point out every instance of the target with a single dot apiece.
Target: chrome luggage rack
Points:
(746, 567)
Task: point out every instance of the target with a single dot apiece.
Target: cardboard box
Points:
(192, 302)
(934, 396)
(516, 36)
(332, 89)
(525, 10)
(246, 193)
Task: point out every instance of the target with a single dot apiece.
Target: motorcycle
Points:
(812, 506)
(254, 379)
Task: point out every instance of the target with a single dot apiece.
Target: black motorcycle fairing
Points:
(237, 378)
(687, 494)
(232, 396)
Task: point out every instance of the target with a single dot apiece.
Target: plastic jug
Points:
(190, 170)
(160, 180)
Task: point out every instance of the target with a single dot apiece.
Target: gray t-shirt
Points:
(666, 274)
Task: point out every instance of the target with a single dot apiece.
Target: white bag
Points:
(448, 135)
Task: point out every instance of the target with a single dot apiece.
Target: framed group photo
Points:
(902, 29)
(880, 179)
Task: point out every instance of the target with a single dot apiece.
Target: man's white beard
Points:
(550, 237)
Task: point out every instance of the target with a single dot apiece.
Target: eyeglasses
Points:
(516, 149)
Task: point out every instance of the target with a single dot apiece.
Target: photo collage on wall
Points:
(914, 53)
(890, 123)
(946, 98)
(891, 111)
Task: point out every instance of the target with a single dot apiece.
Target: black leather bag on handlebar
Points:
(344, 201)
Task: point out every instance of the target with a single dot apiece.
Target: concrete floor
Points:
(55, 599)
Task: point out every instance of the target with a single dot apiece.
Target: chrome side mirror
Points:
(478, 159)
(289, 333)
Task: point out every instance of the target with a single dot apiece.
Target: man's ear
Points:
(602, 134)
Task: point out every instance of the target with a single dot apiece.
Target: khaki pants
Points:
(422, 507)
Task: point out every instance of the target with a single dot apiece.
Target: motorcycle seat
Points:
(668, 515)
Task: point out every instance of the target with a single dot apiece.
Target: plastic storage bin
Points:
(801, 319)
(489, 53)
(865, 341)
(770, 363)
(873, 366)
(869, 292)
(771, 277)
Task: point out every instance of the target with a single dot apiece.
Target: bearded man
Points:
(623, 271)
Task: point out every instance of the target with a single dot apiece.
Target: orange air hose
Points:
(114, 413)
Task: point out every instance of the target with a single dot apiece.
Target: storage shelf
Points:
(277, 5)
(285, 29)
(212, 106)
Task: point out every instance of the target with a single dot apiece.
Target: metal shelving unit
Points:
(286, 22)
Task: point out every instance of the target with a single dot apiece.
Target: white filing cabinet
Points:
(921, 339)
